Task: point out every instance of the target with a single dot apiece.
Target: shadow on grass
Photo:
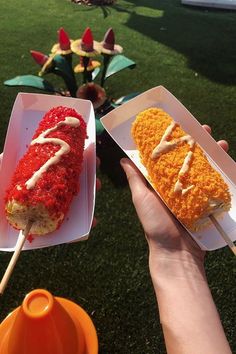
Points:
(110, 154)
(206, 37)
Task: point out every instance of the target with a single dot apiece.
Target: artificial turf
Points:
(190, 51)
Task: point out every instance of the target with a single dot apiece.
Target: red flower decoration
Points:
(108, 44)
(92, 92)
(39, 57)
(109, 39)
(63, 39)
(64, 43)
(87, 40)
(86, 46)
(92, 64)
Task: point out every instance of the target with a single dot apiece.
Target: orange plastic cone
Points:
(47, 324)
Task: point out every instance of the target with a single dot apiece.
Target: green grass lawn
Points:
(192, 53)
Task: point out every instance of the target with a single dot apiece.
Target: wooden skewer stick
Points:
(19, 244)
(229, 242)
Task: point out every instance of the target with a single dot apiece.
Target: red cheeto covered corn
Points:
(179, 170)
(46, 178)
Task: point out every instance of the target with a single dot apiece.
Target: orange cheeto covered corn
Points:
(178, 169)
(46, 178)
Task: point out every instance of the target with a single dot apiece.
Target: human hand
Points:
(162, 229)
(176, 265)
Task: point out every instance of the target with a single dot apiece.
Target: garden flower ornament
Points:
(108, 44)
(43, 60)
(92, 64)
(63, 46)
(92, 92)
(39, 57)
(60, 62)
(109, 49)
(86, 46)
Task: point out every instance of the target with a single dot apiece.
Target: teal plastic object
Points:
(118, 63)
(30, 81)
(64, 69)
(126, 98)
(62, 65)
(95, 73)
(99, 126)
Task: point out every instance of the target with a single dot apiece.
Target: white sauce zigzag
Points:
(165, 146)
(65, 148)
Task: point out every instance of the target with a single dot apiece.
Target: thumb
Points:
(135, 179)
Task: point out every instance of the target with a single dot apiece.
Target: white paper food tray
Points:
(27, 112)
(118, 125)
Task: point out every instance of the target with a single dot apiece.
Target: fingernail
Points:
(123, 161)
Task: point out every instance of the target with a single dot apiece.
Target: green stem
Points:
(85, 73)
(68, 58)
(106, 60)
(69, 81)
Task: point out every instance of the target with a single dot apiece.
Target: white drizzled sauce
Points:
(179, 187)
(165, 146)
(65, 148)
